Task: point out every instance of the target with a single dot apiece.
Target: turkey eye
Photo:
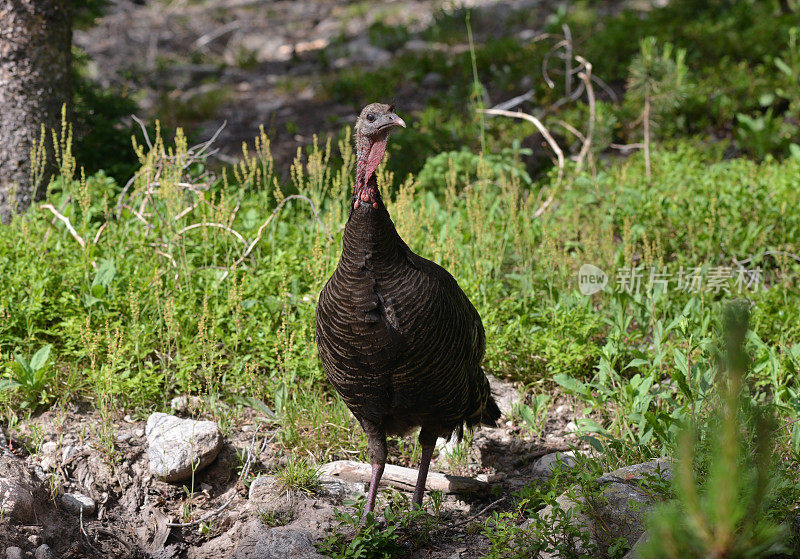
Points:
(371, 117)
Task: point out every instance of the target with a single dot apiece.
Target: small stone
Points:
(34, 539)
(128, 419)
(571, 427)
(68, 452)
(124, 436)
(13, 552)
(177, 448)
(185, 404)
(505, 394)
(49, 448)
(340, 489)
(44, 552)
(75, 502)
(139, 433)
(549, 464)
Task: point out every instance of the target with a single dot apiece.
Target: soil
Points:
(76, 451)
(248, 63)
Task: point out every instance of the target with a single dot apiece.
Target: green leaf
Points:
(783, 67)
(105, 273)
(590, 425)
(526, 413)
(8, 384)
(98, 291)
(40, 357)
(571, 384)
(22, 365)
(637, 363)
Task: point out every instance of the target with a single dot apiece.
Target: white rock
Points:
(341, 489)
(49, 448)
(505, 394)
(44, 552)
(13, 552)
(183, 404)
(75, 502)
(178, 447)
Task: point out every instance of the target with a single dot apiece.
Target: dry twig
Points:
(65, 220)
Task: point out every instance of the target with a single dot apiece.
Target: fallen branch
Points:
(65, 220)
(536, 122)
(403, 478)
(212, 224)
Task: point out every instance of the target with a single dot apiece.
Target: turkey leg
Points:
(428, 444)
(377, 472)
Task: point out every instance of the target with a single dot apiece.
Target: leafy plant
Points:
(725, 514)
(372, 539)
(761, 135)
(32, 380)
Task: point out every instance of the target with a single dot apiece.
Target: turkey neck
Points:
(369, 233)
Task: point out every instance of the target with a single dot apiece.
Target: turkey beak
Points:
(393, 121)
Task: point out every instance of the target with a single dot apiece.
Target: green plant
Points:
(31, 380)
(726, 514)
(534, 415)
(656, 80)
(372, 539)
(299, 474)
(761, 135)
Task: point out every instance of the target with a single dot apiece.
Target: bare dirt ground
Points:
(265, 62)
(77, 451)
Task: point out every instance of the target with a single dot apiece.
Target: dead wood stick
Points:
(403, 478)
(66, 222)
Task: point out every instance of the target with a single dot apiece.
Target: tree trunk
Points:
(35, 81)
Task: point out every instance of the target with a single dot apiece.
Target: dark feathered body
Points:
(398, 338)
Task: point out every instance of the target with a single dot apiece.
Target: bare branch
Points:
(212, 224)
(536, 122)
(587, 80)
(141, 124)
(65, 220)
(99, 232)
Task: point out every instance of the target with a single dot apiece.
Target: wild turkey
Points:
(398, 339)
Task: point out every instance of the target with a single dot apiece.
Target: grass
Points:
(203, 281)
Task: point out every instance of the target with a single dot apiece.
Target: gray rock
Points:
(339, 489)
(549, 464)
(184, 404)
(34, 540)
(74, 503)
(260, 542)
(620, 508)
(16, 489)
(505, 394)
(175, 445)
(44, 552)
(13, 553)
